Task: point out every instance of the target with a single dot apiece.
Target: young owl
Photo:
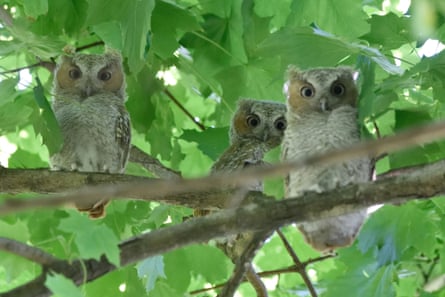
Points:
(257, 127)
(322, 116)
(89, 95)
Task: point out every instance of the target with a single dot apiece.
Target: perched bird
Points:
(257, 127)
(322, 116)
(89, 104)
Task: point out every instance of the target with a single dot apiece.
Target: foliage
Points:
(209, 53)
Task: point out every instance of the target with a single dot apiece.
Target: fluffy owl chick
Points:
(322, 116)
(257, 127)
(89, 96)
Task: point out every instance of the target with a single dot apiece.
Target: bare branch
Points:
(5, 17)
(152, 164)
(94, 44)
(265, 215)
(301, 267)
(26, 251)
(184, 110)
(170, 191)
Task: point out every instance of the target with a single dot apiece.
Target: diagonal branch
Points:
(28, 252)
(301, 267)
(169, 190)
(259, 216)
(152, 164)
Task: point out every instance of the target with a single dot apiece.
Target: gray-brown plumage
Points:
(88, 101)
(322, 116)
(257, 127)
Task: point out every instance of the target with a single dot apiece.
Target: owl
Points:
(322, 116)
(89, 105)
(257, 127)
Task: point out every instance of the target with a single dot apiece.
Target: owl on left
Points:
(89, 104)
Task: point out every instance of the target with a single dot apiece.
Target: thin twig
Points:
(5, 17)
(183, 109)
(300, 266)
(94, 44)
(152, 164)
(290, 269)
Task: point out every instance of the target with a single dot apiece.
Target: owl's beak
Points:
(324, 105)
(88, 90)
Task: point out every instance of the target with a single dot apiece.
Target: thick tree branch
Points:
(28, 252)
(266, 215)
(173, 191)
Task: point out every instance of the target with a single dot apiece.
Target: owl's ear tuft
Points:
(113, 54)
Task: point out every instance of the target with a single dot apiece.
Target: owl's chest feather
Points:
(319, 132)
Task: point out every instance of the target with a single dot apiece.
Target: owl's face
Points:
(321, 89)
(259, 120)
(82, 76)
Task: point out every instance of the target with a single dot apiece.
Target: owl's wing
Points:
(123, 135)
(284, 159)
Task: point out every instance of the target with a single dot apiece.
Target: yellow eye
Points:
(75, 73)
(338, 89)
(307, 91)
(104, 75)
(280, 124)
(253, 120)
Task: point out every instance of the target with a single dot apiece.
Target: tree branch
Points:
(184, 110)
(5, 17)
(190, 192)
(301, 268)
(152, 164)
(265, 215)
(28, 252)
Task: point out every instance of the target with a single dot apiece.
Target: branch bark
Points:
(263, 214)
(197, 192)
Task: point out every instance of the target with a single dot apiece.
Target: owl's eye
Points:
(75, 73)
(338, 89)
(280, 124)
(253, 120)
(307, 91)
(104, 75)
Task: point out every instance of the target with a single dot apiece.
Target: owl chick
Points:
(321, 116)
(257, 127)
(88, 101)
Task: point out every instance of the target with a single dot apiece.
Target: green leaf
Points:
(48, 128)
(91, 239)
(331, 16)
(162, 289)
(177, 269)
(393, 231)
(110, 33)
(13, 115)
(277, 10)
(366, 284)
(151, 268)
(7, 90)
(134, 18)
(208, 261)
(211, 142)
(62, 286)
(166, 34)
(34, 8)
(390, 31)
(24, 159)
